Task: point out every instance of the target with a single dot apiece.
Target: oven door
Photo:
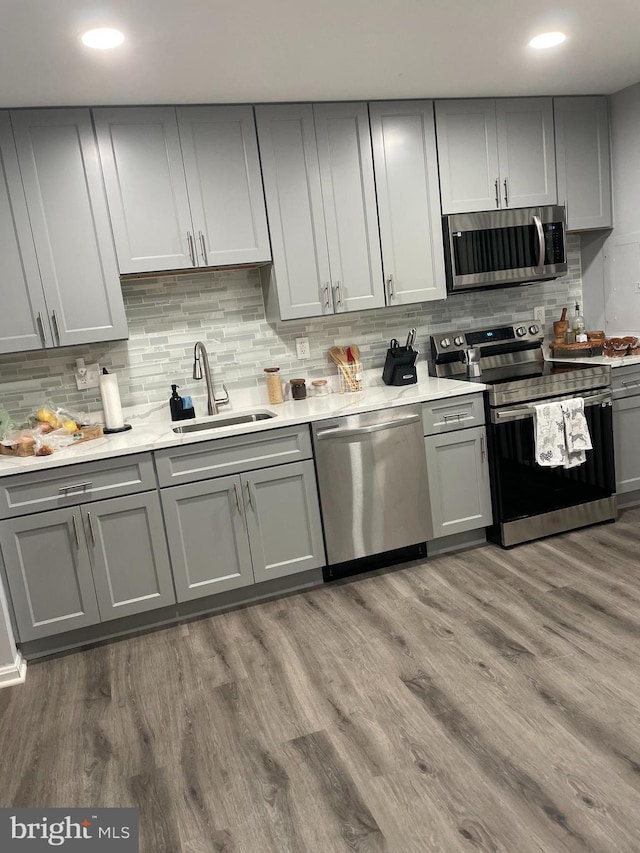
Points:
(521, 488)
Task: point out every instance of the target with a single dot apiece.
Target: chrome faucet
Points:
(201, 358)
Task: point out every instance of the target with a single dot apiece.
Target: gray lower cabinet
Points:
(48, 569)
(67, 206)
(128, 553)
(583, 160)
(626, 428)
(458, 476)
(229, 532)
(207, 537)
(70, 568)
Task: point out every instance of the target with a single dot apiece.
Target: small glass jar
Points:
(298, 389)
(320, 387)
(274, 385)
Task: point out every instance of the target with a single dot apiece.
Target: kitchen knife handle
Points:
(56, 330)
(506, 191)
(497, 184)
(391, 288)
(192, 251)
(203, 249)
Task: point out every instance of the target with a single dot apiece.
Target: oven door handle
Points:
(516, 413)
(540, 230)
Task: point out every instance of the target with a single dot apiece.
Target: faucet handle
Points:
(222, 401)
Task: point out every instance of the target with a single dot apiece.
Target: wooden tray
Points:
(579, 350)
(28, 448)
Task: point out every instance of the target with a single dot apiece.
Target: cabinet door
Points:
(207, 537)
(49, 574)
(468, 155)
(67, 207)
(291, 178)
(23, 320)
(146, 187)
(129, 555)
(406, 169)
(626, 426)
(583, 160)
(526, 151)
(458, 477)
(283, 520)
(220, 155)
(349, 201)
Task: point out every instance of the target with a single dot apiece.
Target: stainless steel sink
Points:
(206, 426)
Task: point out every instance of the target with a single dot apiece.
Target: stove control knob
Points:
(521, 331)
(445, 342)
(534, 330)
(458, 341)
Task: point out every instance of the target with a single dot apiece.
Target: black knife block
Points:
(400, 366)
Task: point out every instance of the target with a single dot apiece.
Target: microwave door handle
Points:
(538, 223)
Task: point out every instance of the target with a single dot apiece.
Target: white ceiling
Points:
(181, 51)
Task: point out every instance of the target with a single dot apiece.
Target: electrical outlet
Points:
(87, 375)
(302, 347)
(538, 314)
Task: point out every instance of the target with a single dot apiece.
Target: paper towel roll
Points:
(111, 405)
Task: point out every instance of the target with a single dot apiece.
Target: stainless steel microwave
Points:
(501, 248)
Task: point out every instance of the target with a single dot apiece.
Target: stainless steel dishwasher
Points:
(372, 476)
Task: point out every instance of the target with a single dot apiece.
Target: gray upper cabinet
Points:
(319, 185)
(583, 160)
(49, 573)
(406, 171)
(283, 520)
(220, 153)
(69, 220)
(23, 320)
(495, 153)
(207, 537)
(129, 556)
(184, 188)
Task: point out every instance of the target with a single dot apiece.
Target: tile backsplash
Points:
(168, 314)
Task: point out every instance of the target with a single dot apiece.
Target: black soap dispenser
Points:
(181, 409)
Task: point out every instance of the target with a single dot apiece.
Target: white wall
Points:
(620, 273)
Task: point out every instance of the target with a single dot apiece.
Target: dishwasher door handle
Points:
(344, 431)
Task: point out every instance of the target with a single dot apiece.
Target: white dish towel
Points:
(561, 434)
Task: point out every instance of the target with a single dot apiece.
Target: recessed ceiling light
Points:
(103, 38)
(547, 40)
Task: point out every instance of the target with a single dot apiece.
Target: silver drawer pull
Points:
(456, 416)
(75, 487)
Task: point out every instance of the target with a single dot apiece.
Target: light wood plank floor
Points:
(485, 701)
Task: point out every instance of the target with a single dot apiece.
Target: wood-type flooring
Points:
(483, 701)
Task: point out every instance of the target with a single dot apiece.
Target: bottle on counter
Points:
(578, 327)
(274, 385)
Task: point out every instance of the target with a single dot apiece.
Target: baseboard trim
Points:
(14, 673)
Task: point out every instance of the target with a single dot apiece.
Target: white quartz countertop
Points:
(603, 359)
(152, 427)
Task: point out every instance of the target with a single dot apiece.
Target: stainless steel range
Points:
(530, 501)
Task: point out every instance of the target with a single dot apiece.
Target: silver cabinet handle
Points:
(327, 304)
(344, 431)
(54, 320)
(506, 192)
(203, 249)
(192, 250)
(249, 496)
(391, 288)
(497, 183)
(235, 491)
(538, 223)
(91, 530)
(75, 530)
(74, 487)
(40, 328)
(456, 416)
(483, 452)
(337, 295)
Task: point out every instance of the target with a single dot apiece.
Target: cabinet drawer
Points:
(458, 413)
(22, 494)
(223, 456)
